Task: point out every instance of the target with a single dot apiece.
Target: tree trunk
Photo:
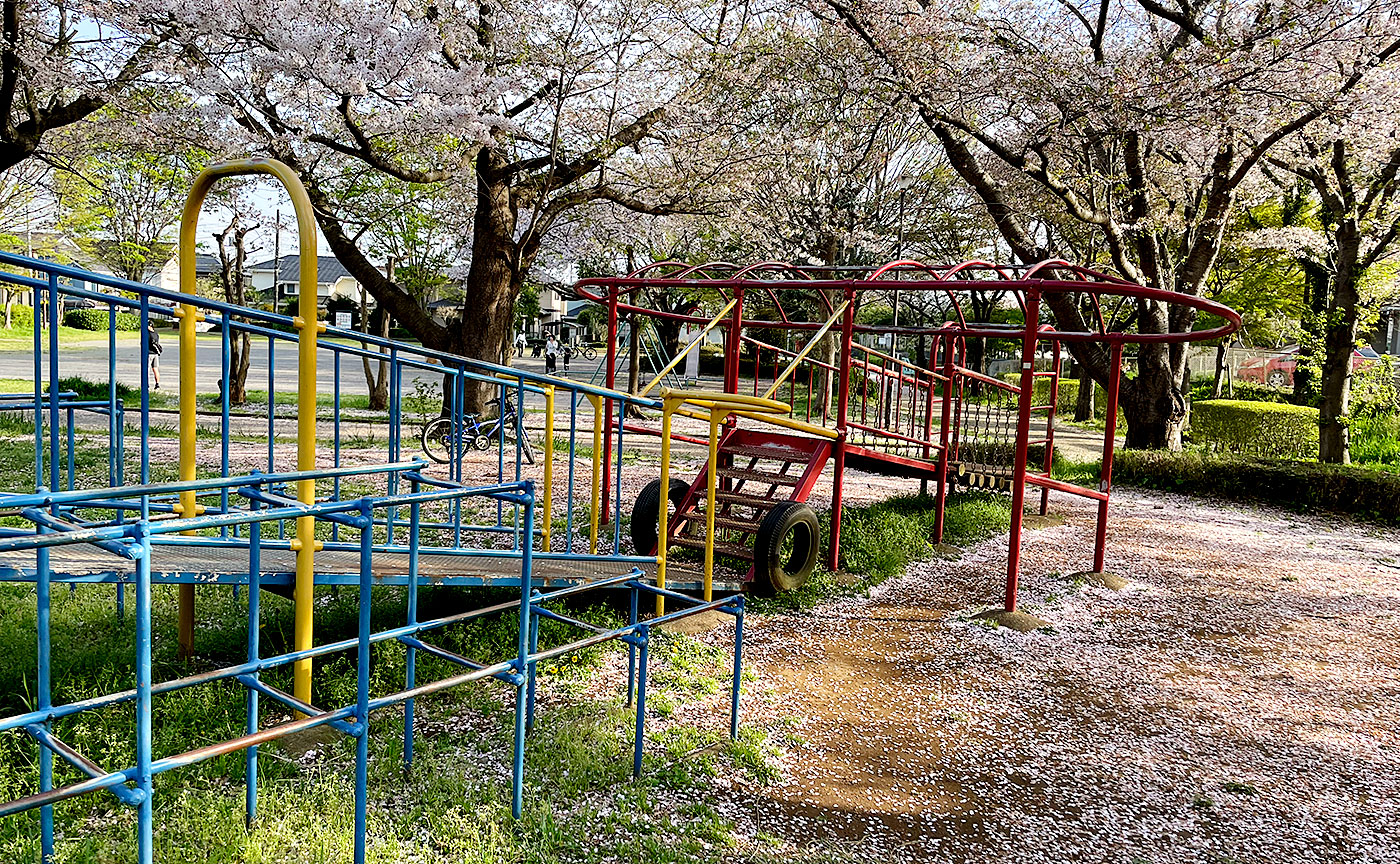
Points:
(494, 280)
(1221, 353)
(1340, 340)
(240, 349)
(231, 274)
(378, 384)
(1084, 400)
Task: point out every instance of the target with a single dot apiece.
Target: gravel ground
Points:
(1236, 702)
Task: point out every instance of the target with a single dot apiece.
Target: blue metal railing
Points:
(54, 284)
(54, 530)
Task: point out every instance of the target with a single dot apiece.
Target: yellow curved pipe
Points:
(305, 323)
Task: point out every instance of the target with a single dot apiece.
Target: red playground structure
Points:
(888, 370)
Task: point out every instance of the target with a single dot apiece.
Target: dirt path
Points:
(1236, 703)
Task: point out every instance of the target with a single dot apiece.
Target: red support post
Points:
(945, 436)
(608, 404)
(843, 397)
(1029, 339)
(1106, 470)
(732, 343)
(1050, 425)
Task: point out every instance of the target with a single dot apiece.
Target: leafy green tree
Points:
(119, 200)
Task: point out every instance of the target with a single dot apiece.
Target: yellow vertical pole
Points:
(666, 405)
(307, 385)
(716, 416)
(548, 461)
(189, 507)
(304, 543)
(597, 473)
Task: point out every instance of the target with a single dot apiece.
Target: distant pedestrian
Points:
(568, 355)
(153, 349)
(520, 345)
(551, 354)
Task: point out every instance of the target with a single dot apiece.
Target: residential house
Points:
(280, 275)
(167, 278)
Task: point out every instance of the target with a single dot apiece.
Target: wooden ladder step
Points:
(733, 550)
(759, 451)
(761, 476)
(756, 501)
(698, 517)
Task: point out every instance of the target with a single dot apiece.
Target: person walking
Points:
(568, 355)
(153, 349)
(520, 345)
(551, 355)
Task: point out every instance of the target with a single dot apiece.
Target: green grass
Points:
(21, 338)
(581, 803)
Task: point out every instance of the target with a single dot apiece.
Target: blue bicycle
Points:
(440, 436)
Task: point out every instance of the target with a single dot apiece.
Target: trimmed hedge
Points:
(1066, 396)
(1255, 428)
(1300, 486)
(100, 319)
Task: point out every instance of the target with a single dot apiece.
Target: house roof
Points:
(205, 264)
(328, 268)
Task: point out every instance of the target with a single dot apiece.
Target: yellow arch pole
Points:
(304, 543)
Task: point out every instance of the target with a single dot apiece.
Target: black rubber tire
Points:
(773, 571)
(437, 440)
(1277, 379)
(646, 512)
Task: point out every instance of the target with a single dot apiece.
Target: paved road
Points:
(90, 360)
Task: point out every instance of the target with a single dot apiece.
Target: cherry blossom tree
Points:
(1138, 120)
(61, 62)
(542, 107)
(1351, 163)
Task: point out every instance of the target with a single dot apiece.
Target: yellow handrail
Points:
(720, 405)
(680, 355)
(307, 326)
(802, 355)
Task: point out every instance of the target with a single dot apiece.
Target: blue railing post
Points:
(631, 648)
(250, 763)
(53, 381)
(144, 841)
(523, 658)
(411, 661)
(643, 638)
(738, 666)
(44, 685)
(362, 681)
(531, 669)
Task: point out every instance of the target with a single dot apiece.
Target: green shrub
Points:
(100, 320)
(1255, 428)
(21, 317)
(1065, 396)
(1301, 486)
(1375, 390)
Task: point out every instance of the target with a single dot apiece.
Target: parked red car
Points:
(1277, 371)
